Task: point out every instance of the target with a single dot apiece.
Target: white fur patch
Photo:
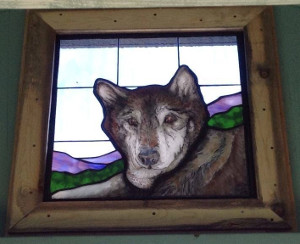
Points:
(171, 139)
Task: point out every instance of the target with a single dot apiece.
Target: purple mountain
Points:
(63, 162)
(224, 103)
(104, 159)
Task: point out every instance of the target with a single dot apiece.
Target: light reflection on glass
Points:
(82, 66)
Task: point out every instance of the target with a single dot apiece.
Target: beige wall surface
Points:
(30, 4)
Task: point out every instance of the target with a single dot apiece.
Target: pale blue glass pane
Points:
(82, 66)
(211, 64)
(211, 94)
(84, 149)
(147, 61)
(78, 115)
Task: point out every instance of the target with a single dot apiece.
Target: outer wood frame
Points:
(273, 209)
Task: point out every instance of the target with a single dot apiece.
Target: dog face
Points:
(153, 126)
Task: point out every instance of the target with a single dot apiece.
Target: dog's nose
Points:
(148, 156)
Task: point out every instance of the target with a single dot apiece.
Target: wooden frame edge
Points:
(31, 132)
(45, 219)
(270, 139)
(157, 19)
(22, 218)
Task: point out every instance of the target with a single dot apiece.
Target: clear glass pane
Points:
(147, 61)
(212, 64)
(80, 67)
(212, 93)
(84, 149)
(78, 115)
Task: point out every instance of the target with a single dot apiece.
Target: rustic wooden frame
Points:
(273, 209)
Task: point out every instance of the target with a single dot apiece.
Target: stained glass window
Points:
(82, 152)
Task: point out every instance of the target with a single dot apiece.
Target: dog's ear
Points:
(184, 84)
(108, 93)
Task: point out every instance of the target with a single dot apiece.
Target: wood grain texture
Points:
(280, 145)
(58, 4)
(149, 20)
(54, 217)
(270, 142)
(32, 120)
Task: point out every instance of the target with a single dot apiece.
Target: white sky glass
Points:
(211, 62)
(78, 116)
(212, 93)
(147, 61)
(80, 67)
(84, 149)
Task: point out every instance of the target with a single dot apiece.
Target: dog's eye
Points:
(170, 119)
(132, 122)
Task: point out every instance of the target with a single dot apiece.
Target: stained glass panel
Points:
(83, 154)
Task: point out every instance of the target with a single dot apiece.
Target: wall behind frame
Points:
(11, 38)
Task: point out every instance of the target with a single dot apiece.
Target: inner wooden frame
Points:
(273, 209)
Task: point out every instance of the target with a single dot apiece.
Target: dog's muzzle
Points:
(148, 156)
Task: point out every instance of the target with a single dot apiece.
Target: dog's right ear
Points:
(108, 92)
(184, 84)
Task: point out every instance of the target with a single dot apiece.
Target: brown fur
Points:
(217, 164)
(226, 175)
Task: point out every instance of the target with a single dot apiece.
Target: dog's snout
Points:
(148, 156)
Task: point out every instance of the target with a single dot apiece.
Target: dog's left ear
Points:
(108, 93)
(184, 84)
